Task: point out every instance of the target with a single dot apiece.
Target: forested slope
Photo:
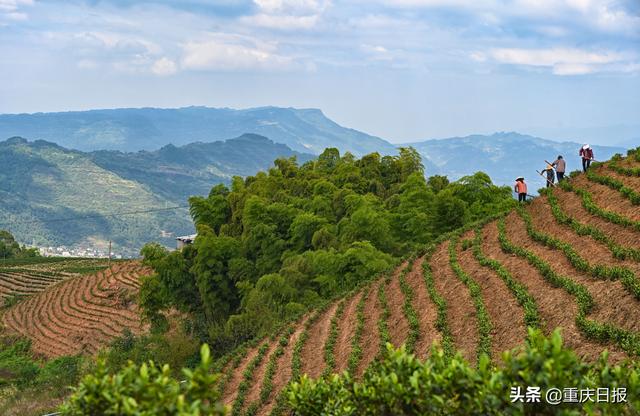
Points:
(569, 260)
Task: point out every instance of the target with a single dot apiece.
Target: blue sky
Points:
(400, 69)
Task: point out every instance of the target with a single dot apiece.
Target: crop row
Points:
(441, 305)
(330, 343)
(615, 184)
(627, 340)
(593, 208)
(296, 362)
(562, 217)
(483, 320)
(383, 328)
(270, 370)
(519, 291)
(247, 377)
(54, 318)
(615, 166)
(356, 349)
(626, 276)
(409, 313)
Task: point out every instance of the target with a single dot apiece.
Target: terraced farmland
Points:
(80, 314)
(570, 259)
(24, 277)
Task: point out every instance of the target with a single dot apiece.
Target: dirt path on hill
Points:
(346, 330)
(461, 313)
(312, 355)
(572, 205)
(231, 388)
(613, 303)
(370, 341)
(557, 308)
(507, 316)
(607, 198)
(397, 322)
(283, 369)
(425, 309)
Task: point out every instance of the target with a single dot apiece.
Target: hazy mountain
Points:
(179, 172)
(622, 135)
(41, 183)
(133, 129)
(504, 156)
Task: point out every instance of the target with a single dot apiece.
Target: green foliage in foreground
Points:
(401, 384)
(280, 242)
(147, 390)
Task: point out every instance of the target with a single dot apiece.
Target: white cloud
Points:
(282, 21)
(164, 66)
(564, 61)
(11, 9)
(287, 14)
(222, 51)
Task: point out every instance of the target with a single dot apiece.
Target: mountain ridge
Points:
(42, 182)
(130, 129)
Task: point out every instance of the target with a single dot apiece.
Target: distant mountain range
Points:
(130, 159)
(42, 183)
(133, 129)
(503, 156)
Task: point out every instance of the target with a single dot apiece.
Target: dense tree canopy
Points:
(278, 242)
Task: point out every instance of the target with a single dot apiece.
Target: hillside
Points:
(133, 129)
(42, 181)
(81, 314)
(477, 291)
(503, 156)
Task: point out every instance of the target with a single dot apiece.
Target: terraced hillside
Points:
(569, 259)
(30, 276)
(80, 314)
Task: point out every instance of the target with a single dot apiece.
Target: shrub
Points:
(146, 390)
(400, 384)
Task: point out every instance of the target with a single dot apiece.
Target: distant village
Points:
(89, 252)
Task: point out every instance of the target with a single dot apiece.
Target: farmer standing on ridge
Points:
(561, 167)
(587, 156)
(521, 189)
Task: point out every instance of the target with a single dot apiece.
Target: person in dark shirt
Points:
(551, 177)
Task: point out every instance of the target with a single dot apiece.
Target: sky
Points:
(400, 69)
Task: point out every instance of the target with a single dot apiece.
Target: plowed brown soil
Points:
(370, 341)
(253, 393)
(312, 355)
(507, 317)
(613, 303)
(231, 388)
(608, 199)
(425, 309)
(557, 308)
(283, 372)
(572, 205)
(461, 313)
(346, 330)
(589, 248)
(397, 322)
(632, 182)
(68, 318)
